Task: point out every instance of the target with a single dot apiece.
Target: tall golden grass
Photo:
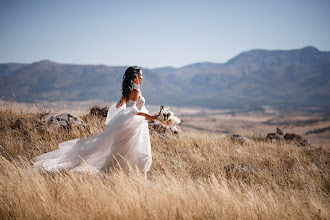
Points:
(188, 179)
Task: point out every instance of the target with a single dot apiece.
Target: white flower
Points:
(167, 118)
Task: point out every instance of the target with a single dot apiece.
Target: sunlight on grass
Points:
(188, 178)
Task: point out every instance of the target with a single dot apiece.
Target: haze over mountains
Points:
(293, 78)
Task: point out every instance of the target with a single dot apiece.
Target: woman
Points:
(123, 144)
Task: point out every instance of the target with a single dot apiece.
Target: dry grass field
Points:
(314, 127)
(198, 174)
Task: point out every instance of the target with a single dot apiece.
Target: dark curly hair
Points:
(128, 83)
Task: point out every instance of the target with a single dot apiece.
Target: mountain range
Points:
(280, 78)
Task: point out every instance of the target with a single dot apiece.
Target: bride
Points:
(124, 144)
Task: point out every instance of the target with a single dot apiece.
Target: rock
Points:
(239, 170)
(65, 120)
(279, 131)
(19, 124)
(161, 129)
(98, 111)
(289, 137)
(274, 136)
(239, 138)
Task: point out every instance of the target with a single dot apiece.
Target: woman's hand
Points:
(150, 117)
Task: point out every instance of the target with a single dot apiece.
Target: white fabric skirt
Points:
(123, 144)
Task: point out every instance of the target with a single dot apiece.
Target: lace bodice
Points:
(139, 103)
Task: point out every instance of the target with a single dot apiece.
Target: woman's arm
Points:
(148, 117)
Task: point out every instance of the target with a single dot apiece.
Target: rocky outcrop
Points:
(99, 111)
(239, 138)
(239, 170)
(19, 124)
(57, 121)
(288, 137)
(279, 131)
(157, 127)
(274, 137)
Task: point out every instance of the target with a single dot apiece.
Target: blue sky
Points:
(156, 33)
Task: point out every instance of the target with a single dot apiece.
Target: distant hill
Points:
(299, 78)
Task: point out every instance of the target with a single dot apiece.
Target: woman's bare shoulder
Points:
(134, 95)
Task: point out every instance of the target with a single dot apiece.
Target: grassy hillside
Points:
(194, 175)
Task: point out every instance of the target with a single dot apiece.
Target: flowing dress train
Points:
(123, 144)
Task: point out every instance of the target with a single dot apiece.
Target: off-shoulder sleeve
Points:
(135, 110)
(132, 104)
(113, 111)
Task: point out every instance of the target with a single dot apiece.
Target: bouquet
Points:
(167, 118)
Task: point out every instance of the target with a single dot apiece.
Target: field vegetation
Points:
(194, 175)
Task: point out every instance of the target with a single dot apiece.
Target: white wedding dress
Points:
(123, 144)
